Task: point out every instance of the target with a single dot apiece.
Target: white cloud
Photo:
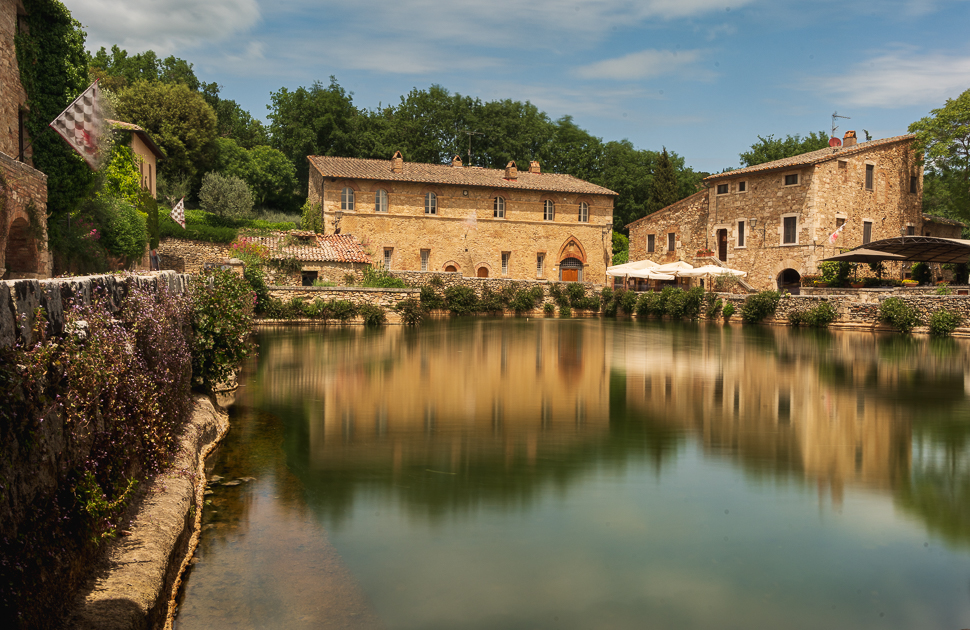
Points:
(645, 64)
(898, 79)
(165, 26)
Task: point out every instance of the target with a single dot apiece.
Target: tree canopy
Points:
(770, 149)
(944, 140)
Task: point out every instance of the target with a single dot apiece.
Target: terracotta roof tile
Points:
(812, 157)
(311, 247)
(942, 220)
(354, 168)
(127, 126)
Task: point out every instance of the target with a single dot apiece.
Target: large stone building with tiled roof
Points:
(476, 221)
(774, 220)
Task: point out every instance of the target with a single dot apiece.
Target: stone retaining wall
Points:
(455, 279)
(21, 298)
(190, 256)
(358, 295)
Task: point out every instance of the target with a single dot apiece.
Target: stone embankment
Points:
(136, 586)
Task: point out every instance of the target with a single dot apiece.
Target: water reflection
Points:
(581, 473)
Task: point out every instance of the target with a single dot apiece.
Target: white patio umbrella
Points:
(674, 267)
(711, 270)
(650, 274)
(625, 268)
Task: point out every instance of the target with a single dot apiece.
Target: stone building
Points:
(144, 148)
(476, 221)
(304, 257)
(774, 220)
(23, 189)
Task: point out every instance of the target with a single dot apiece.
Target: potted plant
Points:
(704, 253)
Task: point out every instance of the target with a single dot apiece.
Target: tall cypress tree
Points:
(664, 191)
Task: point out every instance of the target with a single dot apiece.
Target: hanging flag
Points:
(82, 124)
(178, 212)
(835, 234)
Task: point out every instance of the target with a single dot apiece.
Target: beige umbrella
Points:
(674, 267)
(650, 274)
(625, 268)
(711, 270)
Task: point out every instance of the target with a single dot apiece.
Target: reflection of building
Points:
(23, 189)
(486, 392)
(773, 220)
(480, 222)
(780, 408)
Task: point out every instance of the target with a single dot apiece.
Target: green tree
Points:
(54, 71)
(943, 138)
(178, 119)
(118, 69)
(314, 121)
(120, 177)
(629, 173)
(270, 175)
(225, 196)
(665, 189)
(770, 149)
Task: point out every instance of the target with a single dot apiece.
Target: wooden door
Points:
(722, 245)
(570, 275)
(482, 272)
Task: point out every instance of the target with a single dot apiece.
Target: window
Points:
(742, 186)
(505, 263)
(839, 223)
(380, 201)
(740, 233)
(870, 169)
(722, 189)
(540, 260)
(866, 232)
(430, 203)
(347, 199)
(583, 212)
(388, 251)
(425, 255)
(671, 241)
(650, 243)
(548, 211)
(913, 183)
(790, 235)
(910, 230)
(791, 180)
(498, 208)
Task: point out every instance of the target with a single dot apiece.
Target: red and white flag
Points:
(835, 234)
(178, 212)
(82, 125)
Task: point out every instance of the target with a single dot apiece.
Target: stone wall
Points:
(820, 198)
(23, 221)
(13, 98)
(20, 299)
(190, 256)
(464, 234)
(386, 298)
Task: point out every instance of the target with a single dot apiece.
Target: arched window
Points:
(548, 211)
(430, 203)
(498, 210)
(347, 199)
(380, 201)
(583, 212)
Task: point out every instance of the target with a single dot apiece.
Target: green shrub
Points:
(227, 197)
(835, 273)
(549, 308)
(311, 218)
(897, 313)
(673, 302)
(944, 289)
(342, 310)
(411, 311)
(381, 278)
(606, 295)
(436, 281)
(714, 306)
(508, 292)
(627, 301)
(727, 311)
(565, 311)
(431, 299)
(760, 306)
(576, 292)
(461, 300)
(222, 304)
(921, 272)
(526, 300)
(643, 305)
(692, 302)
(820, 315)
(943, 323)
(796, 317)
(123, 230)
(655, 304)
(490, 302)
(372, 314)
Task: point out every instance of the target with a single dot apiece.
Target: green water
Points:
(590, 474)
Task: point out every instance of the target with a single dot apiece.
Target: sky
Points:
(703, 78)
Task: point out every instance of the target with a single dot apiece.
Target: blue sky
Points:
(702, 77)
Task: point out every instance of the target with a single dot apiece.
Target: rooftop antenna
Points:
(834, 126)
(470, 133)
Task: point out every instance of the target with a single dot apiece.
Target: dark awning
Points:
(863, 255)
(930, 249)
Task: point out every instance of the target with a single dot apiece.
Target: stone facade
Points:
(23, 189)
(561, 220)
(190, 256)
(774, 220)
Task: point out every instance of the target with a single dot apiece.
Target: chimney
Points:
(456, 161)
(397, 163)
(511, 171)
(534, 167)
(849, 140)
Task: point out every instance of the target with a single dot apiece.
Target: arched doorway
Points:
(571, 270)
(790, 280)
(482, 272)
(451, 269)
(21, 249)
